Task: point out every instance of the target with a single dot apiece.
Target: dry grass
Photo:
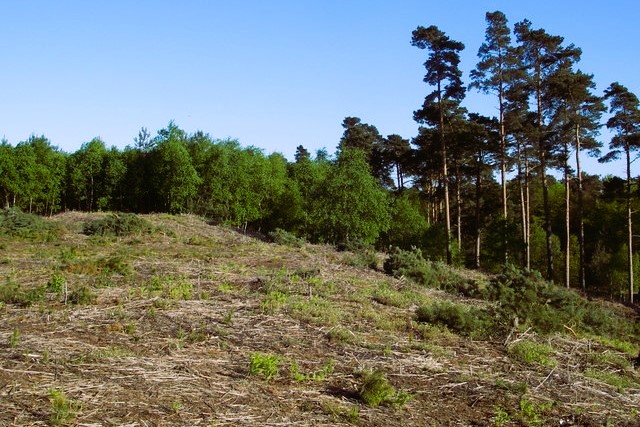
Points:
(169, 341)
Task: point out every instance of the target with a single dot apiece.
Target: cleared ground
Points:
(160, 329)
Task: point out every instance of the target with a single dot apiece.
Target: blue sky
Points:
(273, 74)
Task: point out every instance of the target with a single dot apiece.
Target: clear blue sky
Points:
(273, 74)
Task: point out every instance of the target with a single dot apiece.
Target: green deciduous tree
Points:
(350, 205)
(84, 169)
(175, 180)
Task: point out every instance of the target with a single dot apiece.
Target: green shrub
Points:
(386, 296)
(15, 223)
(609, 359)
(376, 390)
(366, 258)
(273, 301)
(14, 338)
(265, 365)
(532, 413)
(319, 375)
(118, 224)
(13, 293)
(56, 283)
(531, 353)
(82, 295)
(118, 264)
(410, 264)
(285, 238)
(458, 318)
(548, 308)
(64, 410)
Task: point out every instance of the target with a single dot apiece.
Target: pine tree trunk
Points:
(542, 155)
(503, 170)
(523, 213)
(547, 219)
(477, 219)
(445, 178)
(458, 209)
(629, 226)
(503, 155)
(567, 220)
(581, 268)
(527, 195)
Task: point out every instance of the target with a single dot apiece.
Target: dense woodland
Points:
(467, 189)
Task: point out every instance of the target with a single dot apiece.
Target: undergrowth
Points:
(520, 297)
(461, 319)
(15, 223)
(119, 225)
(376, 390)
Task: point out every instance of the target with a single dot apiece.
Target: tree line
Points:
(468, 189)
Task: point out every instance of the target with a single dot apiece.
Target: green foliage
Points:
(340, 334)
(501, 416)
(265, 365)
(320, 375)
(181, 290)
(31, 175)
(242, 186)
(315, 310)
(376, 390)
(410, 264)
(14, 338)
(175, 181)
(56, 283)
(64, 410)
(531, 352)
(13, 293)
(348, 413)
(285, 238)
(609, 359)
(81, 296)
(350, 205)
(15, 223)
(170, 287)
(532, 413)
(549, 308)
(387, 296)
(360, 255)
(273, 300)
(459, 318)
(119, 264)
(619, 381)
(118, 224)
(408, 223)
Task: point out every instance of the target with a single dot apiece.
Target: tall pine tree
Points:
(443, 73)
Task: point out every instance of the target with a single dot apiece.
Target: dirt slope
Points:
(160, 329)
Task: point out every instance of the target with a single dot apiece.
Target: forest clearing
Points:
(168, 320)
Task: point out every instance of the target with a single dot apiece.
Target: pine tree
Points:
(543, 54)
(625, 107)
(578, 112)
(443, 73)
